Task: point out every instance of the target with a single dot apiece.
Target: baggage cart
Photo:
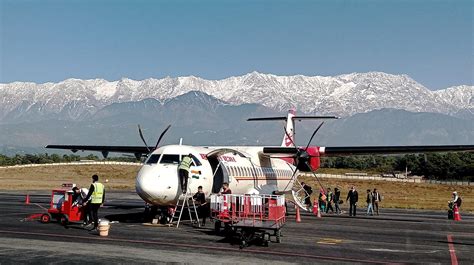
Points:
(250, 217)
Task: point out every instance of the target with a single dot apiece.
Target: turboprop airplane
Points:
(247, 169)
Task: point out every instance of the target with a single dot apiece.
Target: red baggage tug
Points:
(251, 217)
(61, 206)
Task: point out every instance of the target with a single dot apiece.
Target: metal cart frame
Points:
(251, 217)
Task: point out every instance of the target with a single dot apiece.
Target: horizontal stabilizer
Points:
(299, 118)
(369, 150)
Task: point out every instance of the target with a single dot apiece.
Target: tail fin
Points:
(290, 124)
(289, 137)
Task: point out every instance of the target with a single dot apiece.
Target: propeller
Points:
(301, 155)
(159, 139)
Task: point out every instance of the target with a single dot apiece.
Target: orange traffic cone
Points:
(315, 207)
(27, 201)
(457, 216)
(298, 217)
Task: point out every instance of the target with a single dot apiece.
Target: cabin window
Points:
(153, 159)
(169, 159)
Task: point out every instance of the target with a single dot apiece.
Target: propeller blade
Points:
(314, 133)
(161, 136)
(316, 177)
(143, 138)
(292, 177)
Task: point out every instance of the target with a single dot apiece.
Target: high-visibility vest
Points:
(185, 163)
(98, 193)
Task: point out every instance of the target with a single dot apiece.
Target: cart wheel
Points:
(64, 220)
(278, 236)
(217, 227)
(45, 218)
(242, 244)
(265, 243)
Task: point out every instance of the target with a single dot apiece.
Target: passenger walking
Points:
(352, 197)
(183, 169)
(329, 199)
(337, 196)
(97, 196)
(307, 195)
(370, 197)
(322, 200)
(377, 198)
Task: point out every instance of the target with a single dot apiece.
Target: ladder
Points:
(183, 201)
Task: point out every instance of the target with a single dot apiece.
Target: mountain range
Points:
(343, 95)
(376, 109)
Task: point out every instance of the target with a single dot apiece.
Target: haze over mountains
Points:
(377, 109)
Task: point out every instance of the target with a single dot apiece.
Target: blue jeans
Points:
(370, 209)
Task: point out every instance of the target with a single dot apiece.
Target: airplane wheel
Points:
(217, 227)
(64, 220)
(45, 218)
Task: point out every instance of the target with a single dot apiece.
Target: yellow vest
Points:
(185, 163)
(98, 193)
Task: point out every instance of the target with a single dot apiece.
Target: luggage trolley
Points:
(62, 209)
(251, 217)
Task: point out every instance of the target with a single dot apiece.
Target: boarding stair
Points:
(184, 202)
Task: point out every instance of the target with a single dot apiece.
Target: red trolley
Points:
(62, 209)
(251, 217)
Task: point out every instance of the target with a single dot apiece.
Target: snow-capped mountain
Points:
(344, 95)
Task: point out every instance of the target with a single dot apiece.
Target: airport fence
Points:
(77, 163)
(380, 178)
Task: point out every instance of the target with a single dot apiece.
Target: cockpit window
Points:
(196, 161)
(169, 159)
(153, 159)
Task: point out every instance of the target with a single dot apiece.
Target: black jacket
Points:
(353, 196)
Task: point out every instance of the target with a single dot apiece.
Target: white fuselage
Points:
(245, 168)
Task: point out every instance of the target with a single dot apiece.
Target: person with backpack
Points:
(329, 199)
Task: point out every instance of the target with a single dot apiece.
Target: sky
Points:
(49, 41)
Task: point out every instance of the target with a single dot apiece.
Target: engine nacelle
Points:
(312, 159)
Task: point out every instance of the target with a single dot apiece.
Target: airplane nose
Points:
(157, 184)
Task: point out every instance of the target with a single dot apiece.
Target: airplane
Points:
(247, 169)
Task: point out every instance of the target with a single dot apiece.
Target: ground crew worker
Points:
(352, 197)
(200, 197)
(97, 196)
(184, 172)
(78, 200)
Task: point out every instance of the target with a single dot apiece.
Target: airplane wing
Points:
(371, 150)
(138, 151)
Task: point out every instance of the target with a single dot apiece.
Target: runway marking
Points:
(329, 241)
(452, 252)
(277, 253)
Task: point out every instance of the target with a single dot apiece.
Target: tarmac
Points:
(395, 236)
